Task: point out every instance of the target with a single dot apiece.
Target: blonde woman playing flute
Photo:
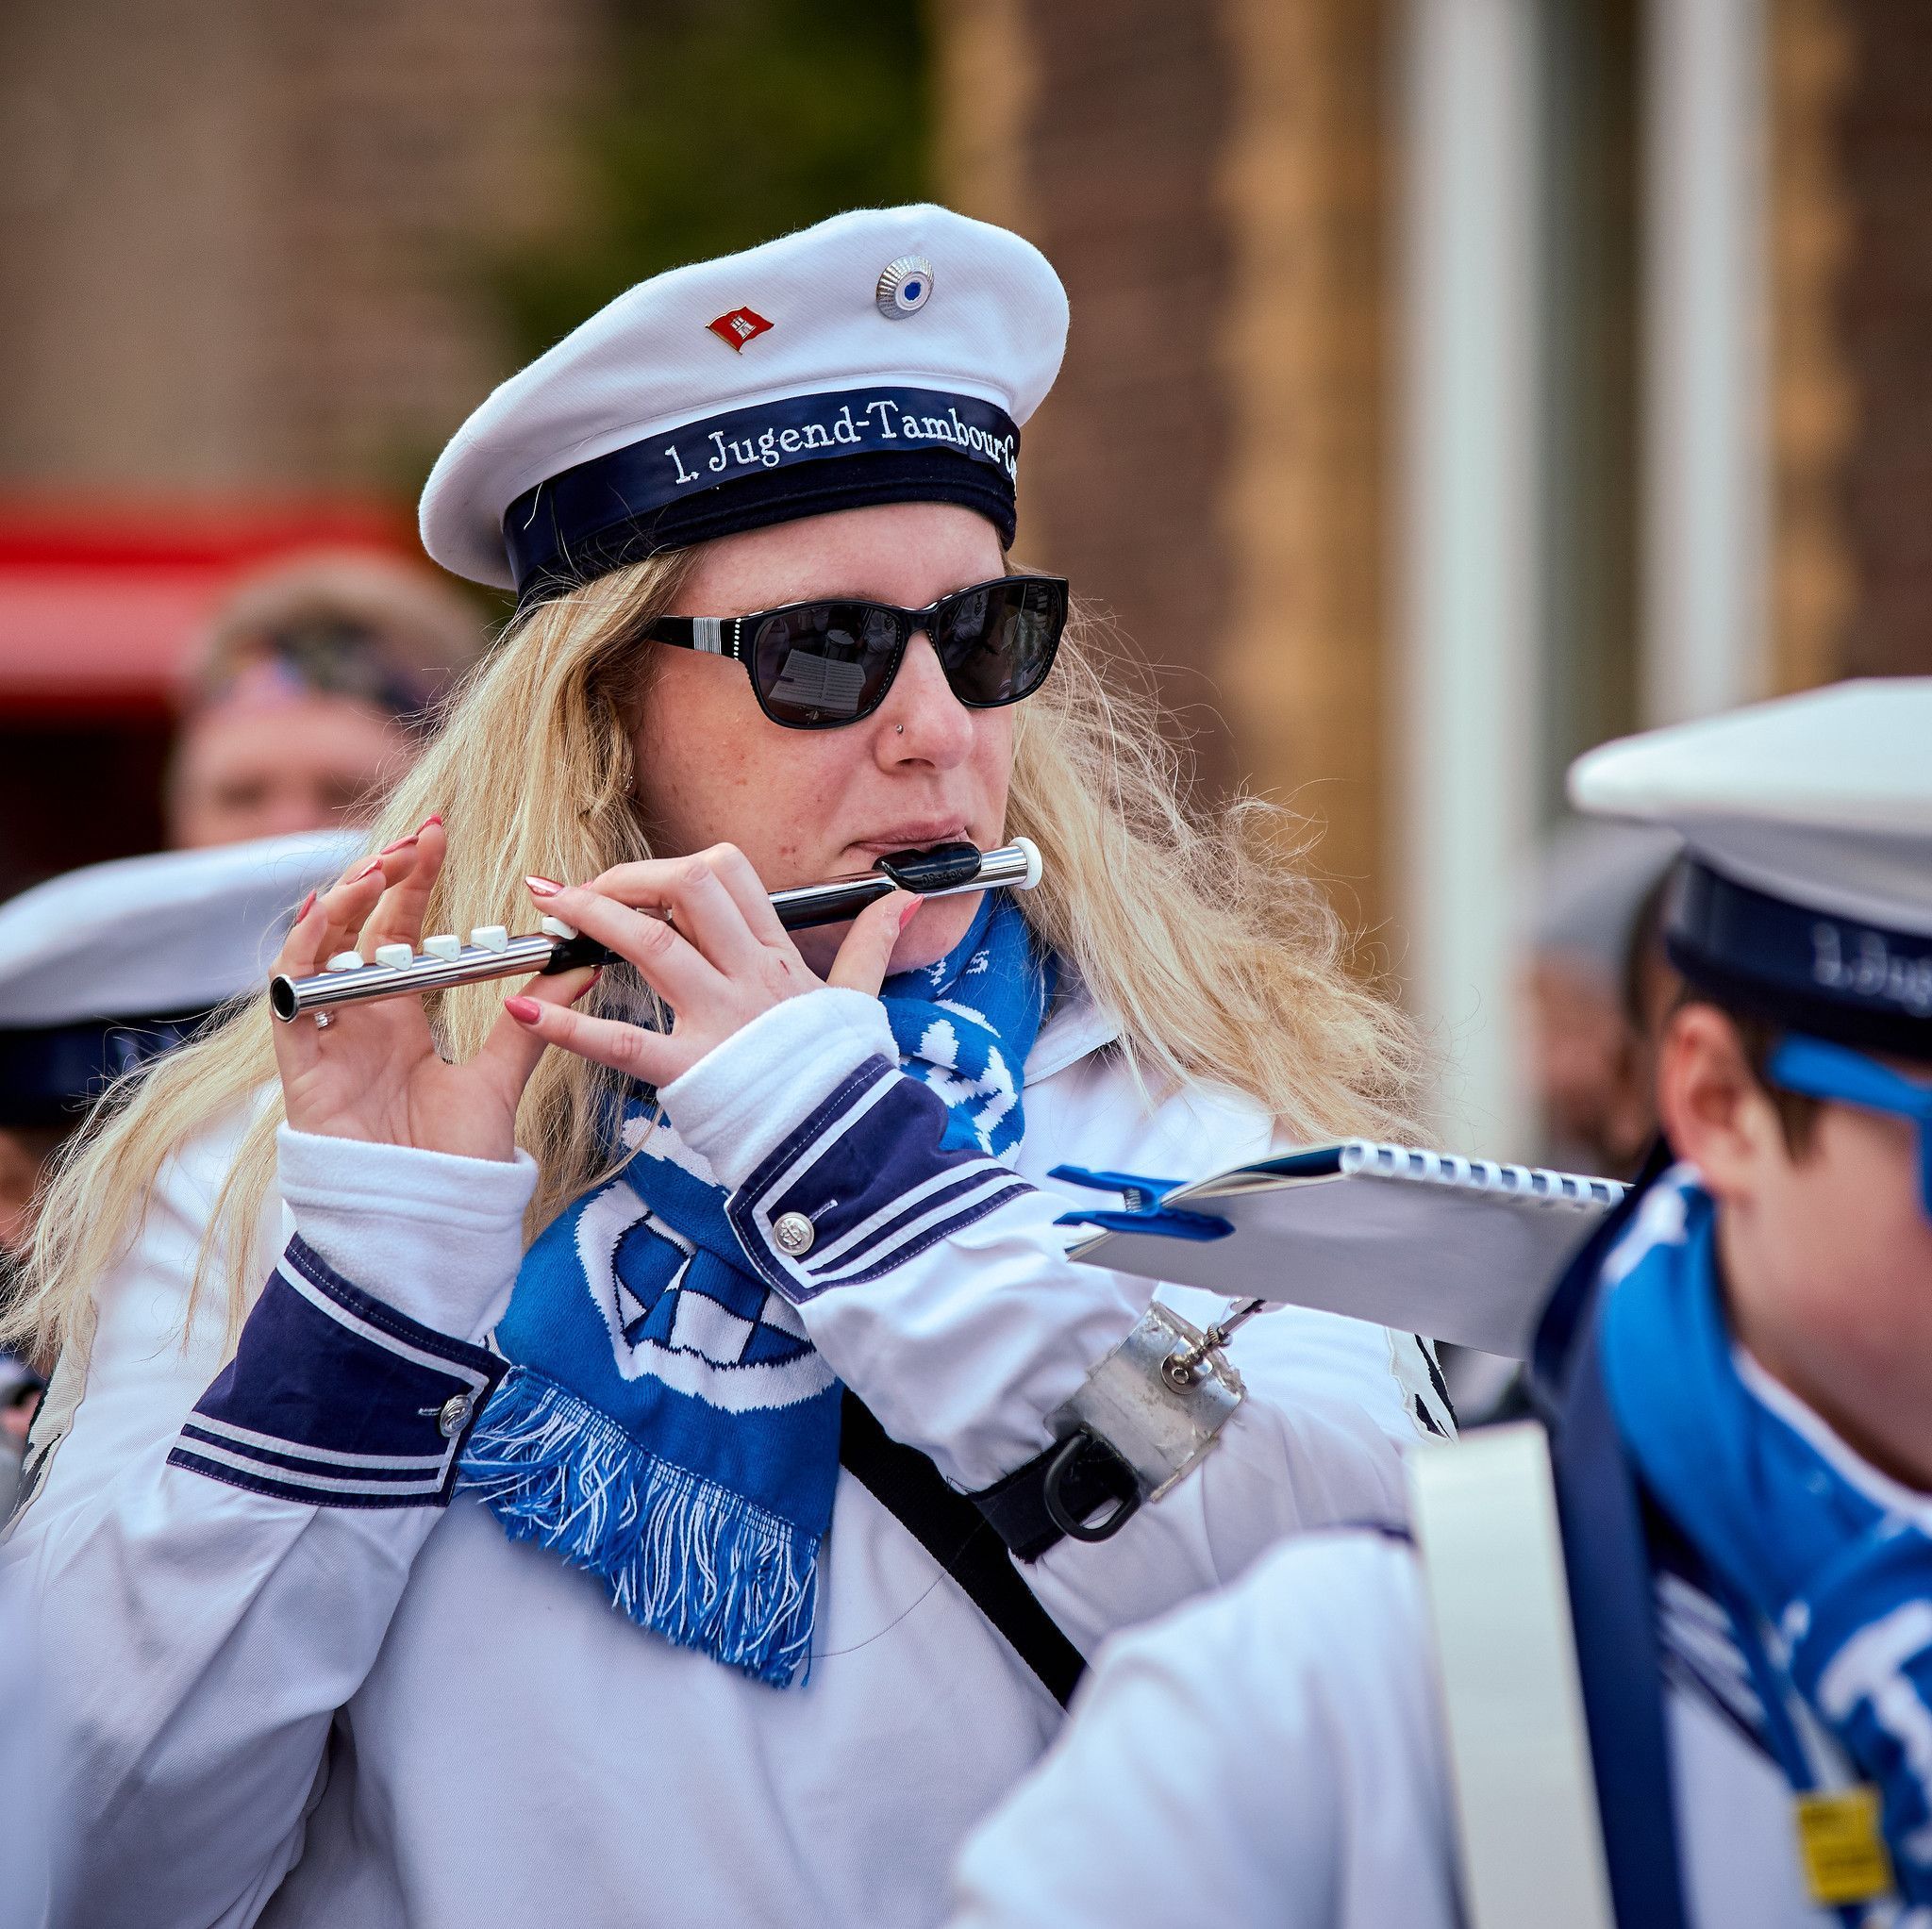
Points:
(570, 1529)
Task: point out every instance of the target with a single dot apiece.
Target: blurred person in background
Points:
(1598, 994)
(1598, 987)
(306, 700)
(100, 972)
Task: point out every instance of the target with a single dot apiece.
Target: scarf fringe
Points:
(678, 1554)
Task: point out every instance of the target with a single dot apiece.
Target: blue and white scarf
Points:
(666, 1423)
(1844, 1579)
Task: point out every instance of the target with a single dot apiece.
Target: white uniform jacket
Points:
(291, 1683)
(1273, 1758)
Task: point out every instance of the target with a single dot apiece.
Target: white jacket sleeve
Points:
(1269, 1757)
(936, 1284)
(215, 1556)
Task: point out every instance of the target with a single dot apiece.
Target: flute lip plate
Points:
(943, 867)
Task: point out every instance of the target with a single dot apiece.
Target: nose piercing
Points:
(900, 728)
(323, 1019)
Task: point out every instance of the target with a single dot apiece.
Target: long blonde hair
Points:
(1200, 934)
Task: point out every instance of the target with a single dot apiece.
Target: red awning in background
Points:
(100, 604)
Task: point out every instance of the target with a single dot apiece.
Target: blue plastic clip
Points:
(1140, 1194)
(1143, 1213)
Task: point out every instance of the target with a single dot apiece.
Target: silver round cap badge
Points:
(904, 288)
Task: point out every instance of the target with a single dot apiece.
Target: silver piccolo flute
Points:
(493, 953)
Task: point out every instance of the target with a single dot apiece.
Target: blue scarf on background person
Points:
(1843, 1578)
(666, 1423)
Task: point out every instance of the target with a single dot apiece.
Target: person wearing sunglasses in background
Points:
(1725, 1719)
(721, 1625)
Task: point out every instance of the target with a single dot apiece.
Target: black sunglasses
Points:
(816, 666)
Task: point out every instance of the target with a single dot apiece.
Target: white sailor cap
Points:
(102, 968)
(1806, 898)
(888, 355)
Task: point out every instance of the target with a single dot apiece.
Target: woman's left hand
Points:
(724, 960)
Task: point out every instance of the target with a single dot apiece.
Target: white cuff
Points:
(437, 1237)
(744, 1096)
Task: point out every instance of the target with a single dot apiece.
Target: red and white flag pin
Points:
(737, 328)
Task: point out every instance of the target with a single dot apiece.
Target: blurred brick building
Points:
(1853, 278)
(247, 254)
(1216, 184)
(284, 208)
(241, 255)
(1231, 190)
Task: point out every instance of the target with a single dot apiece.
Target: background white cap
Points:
(150, 936)
(1823, 799)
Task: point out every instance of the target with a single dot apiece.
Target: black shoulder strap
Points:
(959, 1536)
(1617, 1652)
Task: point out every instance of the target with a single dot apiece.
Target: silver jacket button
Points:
(793, 1233)
(454, 1415)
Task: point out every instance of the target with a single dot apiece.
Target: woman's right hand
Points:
(372, 1073)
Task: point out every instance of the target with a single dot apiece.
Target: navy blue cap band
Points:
(775, 462)
(49, 1075)
(1836, 978)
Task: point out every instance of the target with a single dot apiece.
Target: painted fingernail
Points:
(909, 912)
(370, 869)
(400, 844)
(434, 817)
(306, 906)
(525, 1011)
(543, 886)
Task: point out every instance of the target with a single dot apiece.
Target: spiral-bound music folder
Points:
(1458, 1249)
